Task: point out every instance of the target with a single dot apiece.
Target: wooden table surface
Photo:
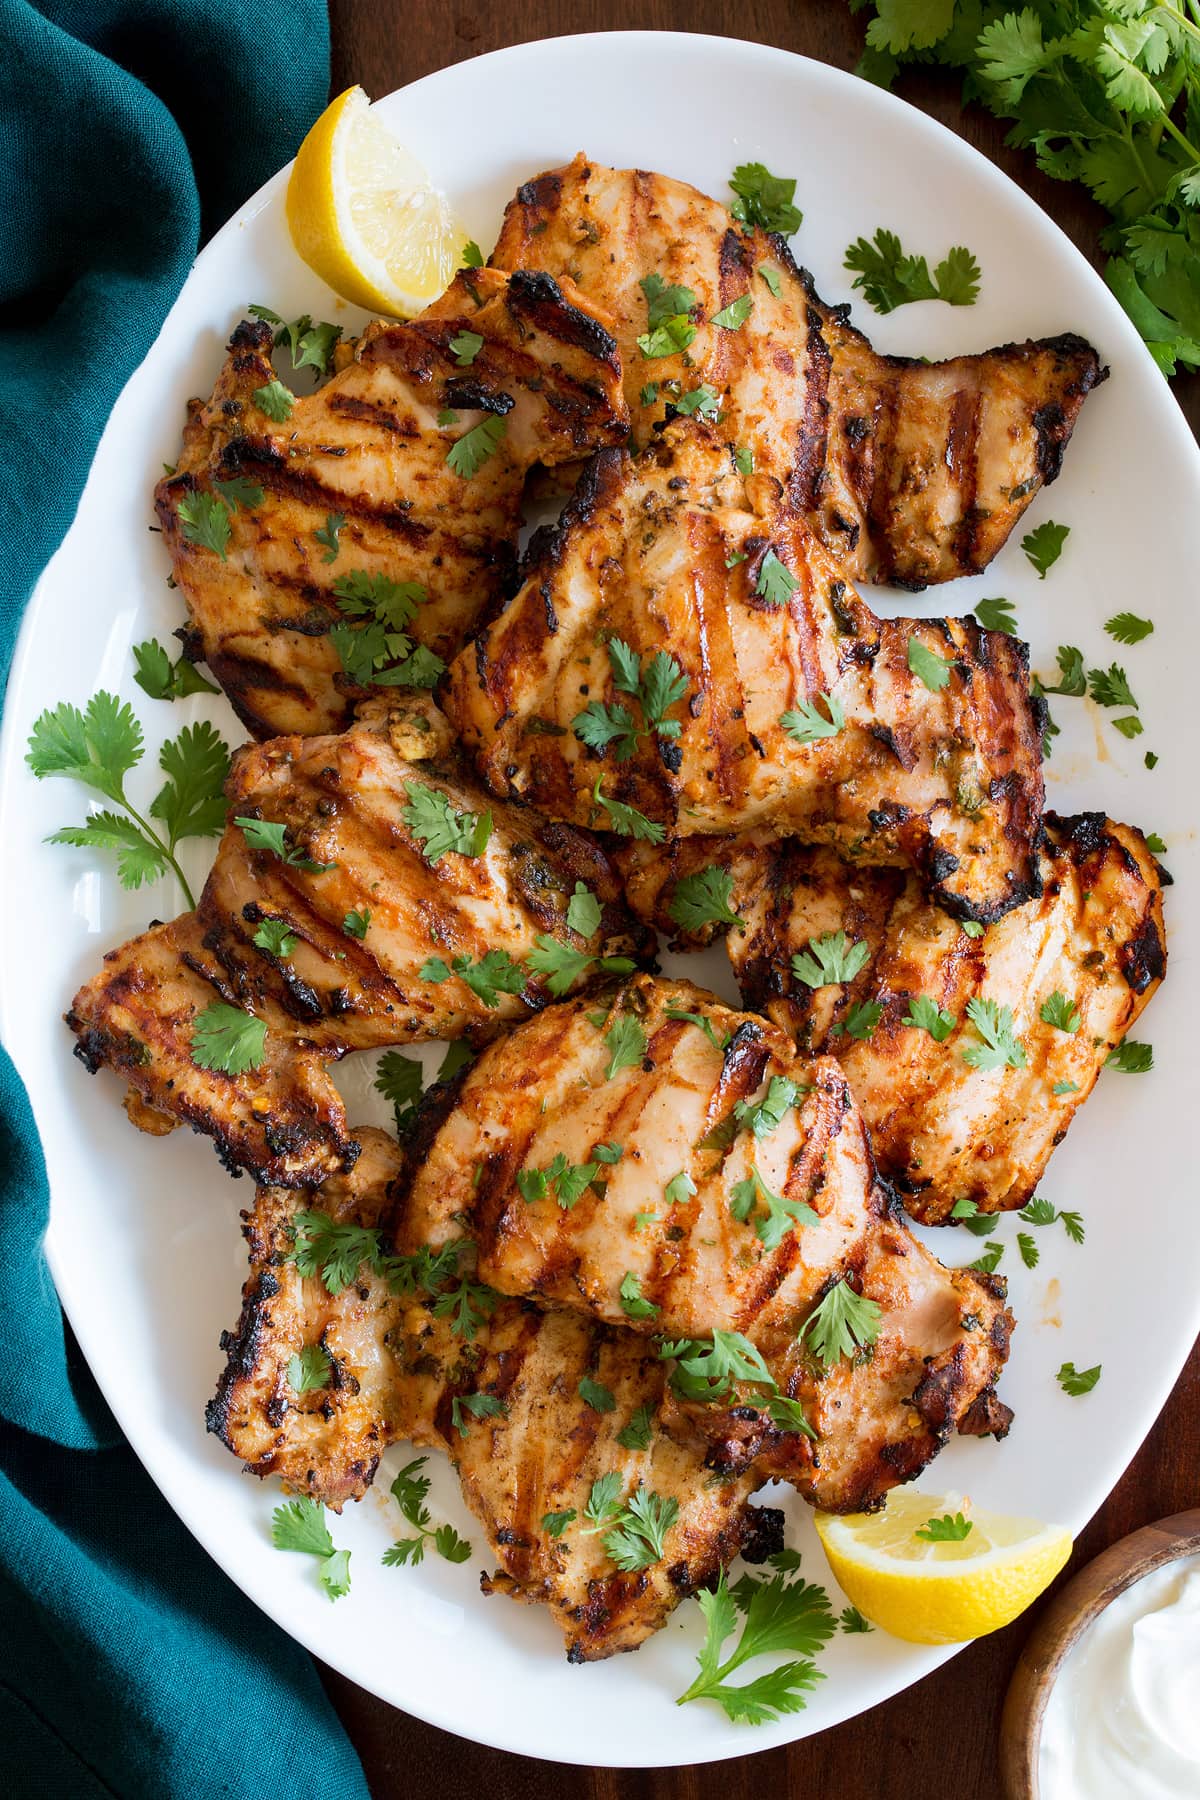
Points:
(937, 1741)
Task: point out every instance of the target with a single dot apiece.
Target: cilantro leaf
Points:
(275, 400)
(356, 924)
(842, 1323)
(861, 1020)
(764, 199)
(934, 671)
(996, 615)
(583, 911)
(625, 1041)
(330, 535)
(989, 1262)
(1030, 1254)
(828, 959)
(1060, 1012)
(776, 584)
(465, 1407)
(999, 1048)
(701, 1024)
(467, 455)
(1110, 687)
(601, 1400)
(440, 828)
(628, 821)
(1077, 1381)
(633, 1302)
(310, 1370)
(889, 278)
(204, 520)
(1044, 546)
(782, 1214)
(668, 318)
(163, 679)
(564, 1182)
(771, 277)
(138, 859)
(1071, 667)
(495, 973)
(191, 803)
(704, 899)
(558, 965)
(743, 460)
(466, 347)
(1131, 1058)
(925, 1014)
(228, 1039)
(951, 1528)
(300, 1525)
(472, 255)
(762, 1117)
(639, 1432)
(806, 725)
(734, 316)
(272, 835)
(1127, 628)
(657, 686)
(400, 1080)
(555, 1523)
(703, 402)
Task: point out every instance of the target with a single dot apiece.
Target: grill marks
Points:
(367, 444)
(941, 1129)
(396, 1371)
(543, 1091)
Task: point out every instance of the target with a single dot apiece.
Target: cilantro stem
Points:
(168, 849)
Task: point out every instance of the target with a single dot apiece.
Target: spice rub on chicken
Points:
(912, 472)
(968, 1055)
(329, 543)
(673, 665)
(663, 1162)
(364, 894)
(365, 1348)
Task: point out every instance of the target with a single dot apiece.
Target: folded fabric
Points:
(128, 1663)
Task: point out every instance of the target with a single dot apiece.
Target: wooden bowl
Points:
(1066, 1617)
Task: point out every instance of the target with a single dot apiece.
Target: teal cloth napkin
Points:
(129, 1664)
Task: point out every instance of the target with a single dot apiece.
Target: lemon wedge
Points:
(362, 213)
(942, 1589)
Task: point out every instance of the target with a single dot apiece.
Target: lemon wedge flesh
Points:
(941, 1592)
(362, 213)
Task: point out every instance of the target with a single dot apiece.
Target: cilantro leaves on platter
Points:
(300, 1525)
(98, 748)
(311, 345)
(807, 724)
(273, 835)
(668, 321)
(489, 976)
(1075, 1381)
(410, 1490)
(888, 278)
(440, 828)
(467, 454)
(1131, 1058)
(162, 679)
(842, 1323)
(780, 1616)
(765, 200)
(830, 958)
(377, 649)
(996, 615)
(704, 898)
(999, 1048)
(228, 1039)
(1128, 628)
(657, 685)
(1044, 545)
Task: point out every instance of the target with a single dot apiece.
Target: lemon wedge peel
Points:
(363, 215)
(947, 1592)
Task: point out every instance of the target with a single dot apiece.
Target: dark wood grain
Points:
(938, 1741)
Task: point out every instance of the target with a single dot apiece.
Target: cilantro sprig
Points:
(669, 326)
(704, 898)
(440, 828)
(656, 686)
(300, 1525)
(98, 748)
(843, 1323)
(780, 1616)
(764, 199)
(163, 679)
(889, 278)
(830, 958)
(410, 1490)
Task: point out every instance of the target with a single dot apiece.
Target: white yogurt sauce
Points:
(1123, 1718)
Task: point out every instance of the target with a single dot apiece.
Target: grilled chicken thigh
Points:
(371, 447)
(912, 472)
(663, 1162)
(924, 744)
(1074, 969)
(396, 1368)
(394, 911)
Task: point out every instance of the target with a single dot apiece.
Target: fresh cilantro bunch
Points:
(98, 748)
(1104, 92)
